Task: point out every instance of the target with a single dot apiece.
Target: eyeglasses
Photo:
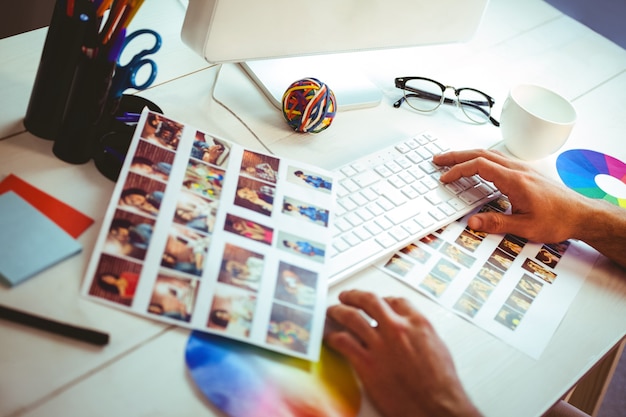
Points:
(426, 95)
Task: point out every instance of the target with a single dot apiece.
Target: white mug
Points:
(535, 122)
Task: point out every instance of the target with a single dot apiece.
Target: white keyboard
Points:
(393, 197)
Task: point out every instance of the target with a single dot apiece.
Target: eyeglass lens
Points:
(426, 96)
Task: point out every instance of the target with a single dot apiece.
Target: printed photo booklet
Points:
(203, 233)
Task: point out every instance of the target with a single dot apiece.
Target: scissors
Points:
(125, 75)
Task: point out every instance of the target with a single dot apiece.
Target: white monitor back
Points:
(266, 36)
(244, 30)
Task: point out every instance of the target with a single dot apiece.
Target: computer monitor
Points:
(280, 41)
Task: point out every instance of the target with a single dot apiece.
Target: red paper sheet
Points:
(65, 216)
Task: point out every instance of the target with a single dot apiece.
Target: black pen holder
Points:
(84, 108)
(61, 52)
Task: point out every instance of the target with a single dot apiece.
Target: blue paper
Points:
(29, 241)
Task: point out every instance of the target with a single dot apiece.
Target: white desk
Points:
(142, 370)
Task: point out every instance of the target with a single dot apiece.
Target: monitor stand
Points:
(352, 89)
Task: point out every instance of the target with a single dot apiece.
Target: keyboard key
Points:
(360, 167)
(402, 148)
(420, 188)
(383, 223)
(398, 233)
(410, 193)
(430, 183)
(447, 209)
(428, 167)
(358, 199)
(412, 143)
(383, 171)
(433, 198)
(350, 185)
(342, 224)
(362, 233)
(404, 163)
(342, 191)
(353, 219)
(393, 167)
(348, 171)
(369, 194)
(457, 204)
(424, 153)
(433, 148)
(365, 179)
(364, 214)
(373, 228)
(403, 213)
(396, 181)
(425, 220)
(385, 204)
(484, 189)
(471, 196)
(340, 244)
(375, 209)
(385, 240)
(406, 177)
(437, 214)
(351, 239)
(348, 204)
(416, 172)
(412, 227)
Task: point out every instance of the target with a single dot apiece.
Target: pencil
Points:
(114, 18)
(69, 8)
(84, 335)
(103, 7)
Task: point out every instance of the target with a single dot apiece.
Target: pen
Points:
(79, 333)
(128, 117)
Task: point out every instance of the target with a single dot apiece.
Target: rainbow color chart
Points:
(243, 380)
(594, 175)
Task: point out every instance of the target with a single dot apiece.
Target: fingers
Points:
(499, 223)
(350, 319)
(490, 165)
(400, 305)
(371, 304)
(505, 178)
(344, 342)
(350, 315)
(458, 157)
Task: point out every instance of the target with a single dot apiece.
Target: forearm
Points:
(603, 226)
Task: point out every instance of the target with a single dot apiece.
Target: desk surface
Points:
(142, 371)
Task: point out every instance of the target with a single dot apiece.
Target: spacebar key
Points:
(369, 249)
(404, 212)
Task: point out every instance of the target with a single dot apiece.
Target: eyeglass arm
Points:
(477, 106)
(434, 97)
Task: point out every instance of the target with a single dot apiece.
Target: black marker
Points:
(85, 335)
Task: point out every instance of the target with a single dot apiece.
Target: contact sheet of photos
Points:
(517, 290)
(205, 234)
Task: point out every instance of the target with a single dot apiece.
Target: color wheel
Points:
(244, 380)
(594, 175)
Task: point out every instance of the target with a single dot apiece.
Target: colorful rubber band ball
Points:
(309, 105)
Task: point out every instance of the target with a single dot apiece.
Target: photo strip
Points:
(502, 283)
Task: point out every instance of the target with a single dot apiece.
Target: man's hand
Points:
(404, 366)
(542, 210)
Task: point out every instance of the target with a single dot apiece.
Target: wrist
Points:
(602, 226)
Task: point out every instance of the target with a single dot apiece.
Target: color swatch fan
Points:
(243, 380)
(594, 174)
